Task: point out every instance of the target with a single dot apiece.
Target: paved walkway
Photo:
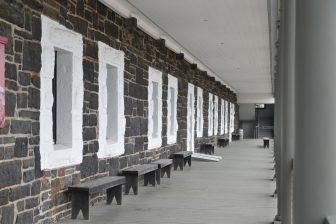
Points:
(236, 190)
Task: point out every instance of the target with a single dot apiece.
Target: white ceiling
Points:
(231, 37)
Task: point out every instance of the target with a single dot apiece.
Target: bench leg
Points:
(131, 182)
(158, 175)
(181, 163)
(80, 201)
(189, 160)
(114, 192)
(150, 178)
(178, 162)
(168, 169)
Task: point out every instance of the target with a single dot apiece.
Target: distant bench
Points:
(132, 175)
(180, 159)
(266, 142)
(222, 142)
(207, 149)
(80, 194)
(164, 166)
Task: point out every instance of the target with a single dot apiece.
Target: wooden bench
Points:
(181, 158)
(207, 149)
(164, 166)
(222, 142)
(132, 175)
(266, 142)
(80, 194)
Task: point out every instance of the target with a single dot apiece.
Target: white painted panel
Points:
(57, 37)
(222, 118)
(210, 115)
(172, 125)
(191, 118)
(200, 121)
(112, 121)
(216, 115)
(154, 108)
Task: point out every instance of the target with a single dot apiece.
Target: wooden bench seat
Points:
(180, 159)
(80, 194)
(222, 142)
(132, 175)
(164, 166)
(207, 149)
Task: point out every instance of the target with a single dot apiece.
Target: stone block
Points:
(21, 147)
(89, 166)
(10, 173)
(20, 127)
(25, 217)
(31, 56)
(7, 213)
(19, 192)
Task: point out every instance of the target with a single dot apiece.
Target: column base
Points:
(277, 219)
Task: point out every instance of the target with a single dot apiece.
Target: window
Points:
(112, 120)
(216, 116)
(200, 120)
(154, 108)
(222, 118)
(191, 118)
(227, 117)
(232, 114)
(172, 125)
(62, 93)
(210, 115)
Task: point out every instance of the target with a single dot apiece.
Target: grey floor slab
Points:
(236, 190)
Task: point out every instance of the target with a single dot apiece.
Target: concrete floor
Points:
(236, 190)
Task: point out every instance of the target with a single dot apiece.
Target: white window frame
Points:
(222, 118)
(210, 115)
(172, 83)
(216, 116)
(232, 114)
(191, 113)
(200, 119)
(154, 76)
(227, 117)
(115, 58)
(56, 36)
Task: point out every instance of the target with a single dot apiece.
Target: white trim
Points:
(191, 118)
(227, 117)
(232, 114)
(216, 116)
(210, 115)
(154, 76)
(172, 83)
(109, 56)
(54, 36)
(125, 9)
(200, 119)
(222, 118)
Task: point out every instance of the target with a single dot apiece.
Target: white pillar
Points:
(315, 151)
(288, 131)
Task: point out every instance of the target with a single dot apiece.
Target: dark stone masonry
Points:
(31, 195)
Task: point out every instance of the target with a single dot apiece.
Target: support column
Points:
(315, 151)
(278, 137)
(288, 111)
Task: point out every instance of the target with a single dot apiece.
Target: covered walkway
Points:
(236, 190)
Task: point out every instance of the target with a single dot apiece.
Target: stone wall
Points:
(28, 194)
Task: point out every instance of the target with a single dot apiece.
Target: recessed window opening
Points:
(200, 109)
(62, 94)
(190, 118)
(155, 117)
(112, 104)
(172, 110)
